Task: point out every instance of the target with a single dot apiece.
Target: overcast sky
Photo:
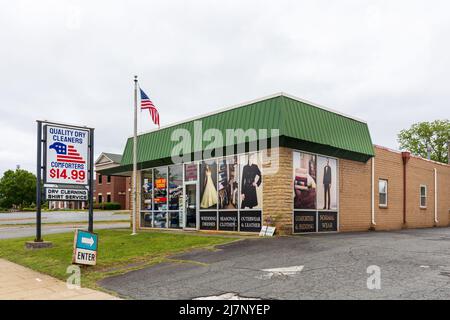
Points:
(387, 62)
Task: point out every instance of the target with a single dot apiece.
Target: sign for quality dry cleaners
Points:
(85, 248)
(66, 155)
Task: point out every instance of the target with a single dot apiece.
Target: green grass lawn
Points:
(118, 252)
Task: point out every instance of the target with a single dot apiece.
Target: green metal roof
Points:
(301, 125)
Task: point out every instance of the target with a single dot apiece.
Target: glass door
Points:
(190, 209)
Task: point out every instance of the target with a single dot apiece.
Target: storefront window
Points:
(251, 181)
(175, 196)
(160, 189)
(160, 219)
(146, 192)
(215, 185)
(146, 219)
(304, 180)
(208, 183)
(175, 219)
(315, 193)
(175, 186)
(190, 172)
(228, 183)
(326, 183)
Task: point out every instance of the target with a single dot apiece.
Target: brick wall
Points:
(421, 172)
(355, 188)
(117, 188)
(354, 195)
(389, 166)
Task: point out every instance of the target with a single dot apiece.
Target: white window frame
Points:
(383, 205)
(425, 196)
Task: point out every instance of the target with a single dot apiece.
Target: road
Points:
(61, 216)
(29, 231)
(413, 264)
(18, 225)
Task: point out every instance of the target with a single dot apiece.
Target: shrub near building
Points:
(107, 206)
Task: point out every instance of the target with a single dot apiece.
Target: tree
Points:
(17, 188)
(434, 134)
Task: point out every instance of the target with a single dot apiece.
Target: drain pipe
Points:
(436, 221)
(405, 157)
(373, 193)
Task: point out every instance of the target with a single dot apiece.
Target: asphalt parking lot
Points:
(413, 264)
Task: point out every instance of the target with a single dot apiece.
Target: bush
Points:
(98, 205)
(111, 206)
(107, 206)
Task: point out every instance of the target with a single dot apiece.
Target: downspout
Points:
(405, 157)
(373, 194)
(436, 221)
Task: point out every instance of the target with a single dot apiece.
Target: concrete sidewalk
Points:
(20, 283)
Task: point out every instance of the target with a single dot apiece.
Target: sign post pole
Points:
(38, 182)
(91, 180)
(134, 158)
(38, 241)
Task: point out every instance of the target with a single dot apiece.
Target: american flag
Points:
(146, 103)
(66, 153)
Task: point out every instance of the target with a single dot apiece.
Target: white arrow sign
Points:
(89, 241)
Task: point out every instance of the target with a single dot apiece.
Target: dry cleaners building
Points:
(285, 162)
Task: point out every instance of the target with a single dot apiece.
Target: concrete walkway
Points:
(20, 283)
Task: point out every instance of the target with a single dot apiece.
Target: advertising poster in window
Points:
(228, 221)
(208, 220)
(146, 194)
(326, 183)
(190, 172)
(160, 189)
(228, 183)
(328, 221)
(304, 221)
(251, 181)
(208, 183)
(304, 180)
(250, 221)
(175, 186)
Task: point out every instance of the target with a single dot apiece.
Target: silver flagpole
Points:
(135, 156)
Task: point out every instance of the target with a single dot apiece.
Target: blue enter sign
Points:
(87, 240)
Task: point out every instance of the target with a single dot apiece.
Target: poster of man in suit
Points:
(326, 183)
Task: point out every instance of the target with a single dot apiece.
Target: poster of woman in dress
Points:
(304, 180)
(326, 183)
(228, 183)
(251, 181)
(208, 182)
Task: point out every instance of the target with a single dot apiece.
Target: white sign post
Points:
(66, 155)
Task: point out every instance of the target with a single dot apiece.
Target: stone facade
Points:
(278, 201)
